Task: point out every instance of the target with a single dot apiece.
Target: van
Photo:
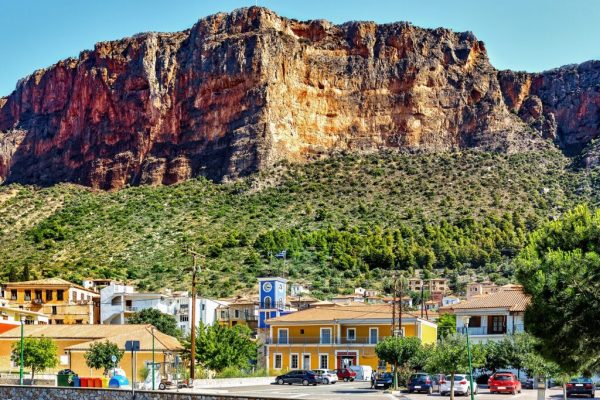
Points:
(363, 372)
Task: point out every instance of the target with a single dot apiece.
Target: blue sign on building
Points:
(272, 294)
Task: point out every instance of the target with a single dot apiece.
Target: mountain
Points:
(239, 92)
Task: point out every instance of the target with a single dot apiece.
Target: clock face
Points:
(267, 286)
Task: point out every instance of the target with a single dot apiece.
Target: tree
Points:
(99, 356)
(400, 352)
(450, 357)
(219, 347)
(39, 354)
(165, 323)
(446, 325)
(558, 269)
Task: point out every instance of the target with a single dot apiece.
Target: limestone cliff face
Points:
(240, 91)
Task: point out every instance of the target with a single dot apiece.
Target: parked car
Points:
(305, 377)
(345, 374)
(326, 376)
(384, 380)
(461, 385)
(422, 382)
(527, 383)
(504, 382)
(581, 386)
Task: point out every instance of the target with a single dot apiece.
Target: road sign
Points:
(132, 345)
(113, 358)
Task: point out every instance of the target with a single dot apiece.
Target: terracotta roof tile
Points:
(340, 312)
(511, 297)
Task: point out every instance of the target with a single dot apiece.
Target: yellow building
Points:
(74, 340)
(63, 301)
(337, 336)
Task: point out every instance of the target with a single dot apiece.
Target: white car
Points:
(326, 376)
(461, 385)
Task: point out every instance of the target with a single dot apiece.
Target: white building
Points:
(492, 316)
(449, 300)
(297, 289)
(206, 310)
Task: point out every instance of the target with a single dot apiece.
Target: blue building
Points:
(272, 296)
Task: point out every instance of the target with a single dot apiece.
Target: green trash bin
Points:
(64, 379)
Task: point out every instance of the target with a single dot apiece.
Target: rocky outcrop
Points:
(562, 103)
(241, 91)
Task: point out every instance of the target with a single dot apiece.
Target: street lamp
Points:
(22, 361)
(466, 319)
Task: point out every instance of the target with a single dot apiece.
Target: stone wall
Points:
(57, 393)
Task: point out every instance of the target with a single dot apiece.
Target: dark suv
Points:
(302, 376)
(421, 383)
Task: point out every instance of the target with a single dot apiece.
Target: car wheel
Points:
(162, 386)
(280, 381)
(325, 381)
(351, 379)
(345, 379)
(305, 382)
(430, 390)
(442, 393)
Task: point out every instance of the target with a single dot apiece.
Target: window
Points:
(294, 361)
(58, 321)
(267, 302)
(277, 361)
(498, 324)
(237, 313)
(325, 335)
(28, 295)
(38, 295)
(475, 322)
(54, 310)
(302, 331)
(351, 334)
(373, 335)
(60, 295)
(381, 364)
(203, 306)
(29, 321)
(79, 321)
(48, 295)
(324, 361)
(13, 294)
(184, 318)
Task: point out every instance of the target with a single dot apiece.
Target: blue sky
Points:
(531, 35)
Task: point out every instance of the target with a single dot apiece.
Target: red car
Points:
(506, 382)
(346, 374)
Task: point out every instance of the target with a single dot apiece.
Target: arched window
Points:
(267, 302)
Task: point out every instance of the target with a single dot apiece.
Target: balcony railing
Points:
(365, 341)
(490, 330)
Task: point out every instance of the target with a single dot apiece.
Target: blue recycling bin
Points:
(76, 382)
(118, 381)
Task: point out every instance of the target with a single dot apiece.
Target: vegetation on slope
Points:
(345, 220)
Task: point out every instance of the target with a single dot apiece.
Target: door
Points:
(283, 336)
(373, 335)
(326, 336)
(346, 359)
(306, 361)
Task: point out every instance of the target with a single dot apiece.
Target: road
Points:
(360, 391)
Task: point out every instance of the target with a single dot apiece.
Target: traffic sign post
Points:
(132, 346)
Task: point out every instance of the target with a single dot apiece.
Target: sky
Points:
(529, 35)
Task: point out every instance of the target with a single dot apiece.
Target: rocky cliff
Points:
(240, 91)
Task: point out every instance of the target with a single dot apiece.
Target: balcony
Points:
(489, 330)
(326, 341)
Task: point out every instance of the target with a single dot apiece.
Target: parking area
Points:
(359, 391)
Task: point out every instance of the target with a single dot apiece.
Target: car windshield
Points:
(418, 377)
(581, 380)
(386, 375)
(502, 378)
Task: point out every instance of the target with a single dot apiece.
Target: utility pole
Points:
(394, 305)
(400, 305)
(195, 271)
(422, 298)
(22, 358)
(153, 364)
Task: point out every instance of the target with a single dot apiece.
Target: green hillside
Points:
(344, 220)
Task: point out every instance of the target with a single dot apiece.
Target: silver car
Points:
(326, 376)
(461, 385)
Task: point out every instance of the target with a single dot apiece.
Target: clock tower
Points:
(272, 293)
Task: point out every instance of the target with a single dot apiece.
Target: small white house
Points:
(449, 300)
(297, 289)
(493, 316)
